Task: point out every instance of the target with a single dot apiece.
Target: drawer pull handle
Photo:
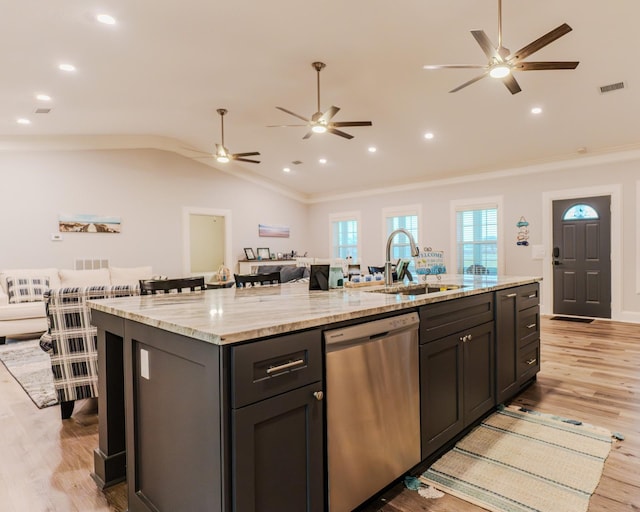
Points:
(285, 366)
(531, 361)
(511, 295)
(319, 395)
(531, 326)
(532, 296)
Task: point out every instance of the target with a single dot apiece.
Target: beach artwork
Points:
(87, 223)
(273, 231)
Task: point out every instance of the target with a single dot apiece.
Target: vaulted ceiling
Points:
(164, 68)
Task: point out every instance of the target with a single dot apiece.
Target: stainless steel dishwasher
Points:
(373, 407)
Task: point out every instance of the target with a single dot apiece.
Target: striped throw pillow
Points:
(26, 289)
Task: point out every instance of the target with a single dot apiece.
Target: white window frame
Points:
(478, 203)
(341, 217)
(401, 211)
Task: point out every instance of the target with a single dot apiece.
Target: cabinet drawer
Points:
(528, 296)
(528, 326)
(267, 368)
(444, 318)
(529, 362)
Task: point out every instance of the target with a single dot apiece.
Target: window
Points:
(580, 212)
(345, 240)
(477, 245)
(409, 219)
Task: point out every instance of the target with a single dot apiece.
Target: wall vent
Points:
(42, 110)
(90, 263)
(611, 87)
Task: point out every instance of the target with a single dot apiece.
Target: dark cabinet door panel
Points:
(479, 390)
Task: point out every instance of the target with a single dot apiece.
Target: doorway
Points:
(207, 240)
(581, 256)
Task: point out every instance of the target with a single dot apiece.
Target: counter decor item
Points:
(430, 262)
(523, 232)
(264, 253)
(223, 273)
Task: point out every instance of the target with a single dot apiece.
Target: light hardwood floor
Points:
(589, 372)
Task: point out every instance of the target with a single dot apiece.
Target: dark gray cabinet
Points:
(277, 422)
(517, 339)
(457, 383)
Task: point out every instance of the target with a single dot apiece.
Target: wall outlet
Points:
(56, 237)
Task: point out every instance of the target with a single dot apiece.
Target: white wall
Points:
(148, 189)
(522, 192)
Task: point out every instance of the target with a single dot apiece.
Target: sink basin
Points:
(419, 289)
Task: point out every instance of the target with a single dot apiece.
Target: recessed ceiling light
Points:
(66, 67)
(323, 160)
(22, 120)
(43, 97)
(372, 149)
(286, 169)
(428, 135)
(106, 19)
(536, 110)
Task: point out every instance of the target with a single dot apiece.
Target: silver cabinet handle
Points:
(531, 326)
(532, 296)
(465, 338)
(511, 295)
(319, 395)
(531, 361)
(285, 366)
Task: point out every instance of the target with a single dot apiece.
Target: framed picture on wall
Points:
(248, 253)
(264, 253)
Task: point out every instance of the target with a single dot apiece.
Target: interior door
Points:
(582, 257)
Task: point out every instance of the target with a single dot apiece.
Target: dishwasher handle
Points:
(370, 331)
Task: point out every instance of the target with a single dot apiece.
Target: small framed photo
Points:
(264, 253)
(248, 252)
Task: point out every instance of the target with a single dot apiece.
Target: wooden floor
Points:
(589, 372)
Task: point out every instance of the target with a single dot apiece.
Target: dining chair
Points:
(154, 286)
(242, 280)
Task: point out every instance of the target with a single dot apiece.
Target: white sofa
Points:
(22, 309)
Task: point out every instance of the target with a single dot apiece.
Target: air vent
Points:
(611, 87)
(296, 162)
(90, 264)
(42, 110)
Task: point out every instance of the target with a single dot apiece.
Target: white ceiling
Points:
(166, 67)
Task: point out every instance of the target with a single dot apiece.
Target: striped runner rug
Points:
(524, 461)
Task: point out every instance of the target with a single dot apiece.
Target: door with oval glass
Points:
(582, 257)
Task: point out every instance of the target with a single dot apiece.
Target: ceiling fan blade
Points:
(293, 114)
(253, 153)
(542, 66)
(453, 66)
(539, 43)
(350, 123)
(329, 114)
(341, 133)
(511, 84)
(308, 134)
(472, 81)
(485, 43)
(246, 160)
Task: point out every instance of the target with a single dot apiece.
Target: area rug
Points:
(31, 367)
(522, 461)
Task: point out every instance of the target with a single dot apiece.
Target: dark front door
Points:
(582, 257)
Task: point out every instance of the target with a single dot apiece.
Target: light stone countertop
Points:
(231, 315)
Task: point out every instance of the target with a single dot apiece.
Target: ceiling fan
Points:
(320, 122)
(502, 62)
(222, 153)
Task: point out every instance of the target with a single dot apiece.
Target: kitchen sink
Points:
(418, 289)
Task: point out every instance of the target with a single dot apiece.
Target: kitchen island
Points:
(223, 393)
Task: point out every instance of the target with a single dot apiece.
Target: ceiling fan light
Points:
(499, 71)
(318, 128)
(222, 159)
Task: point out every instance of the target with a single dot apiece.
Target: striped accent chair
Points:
(71, 340)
